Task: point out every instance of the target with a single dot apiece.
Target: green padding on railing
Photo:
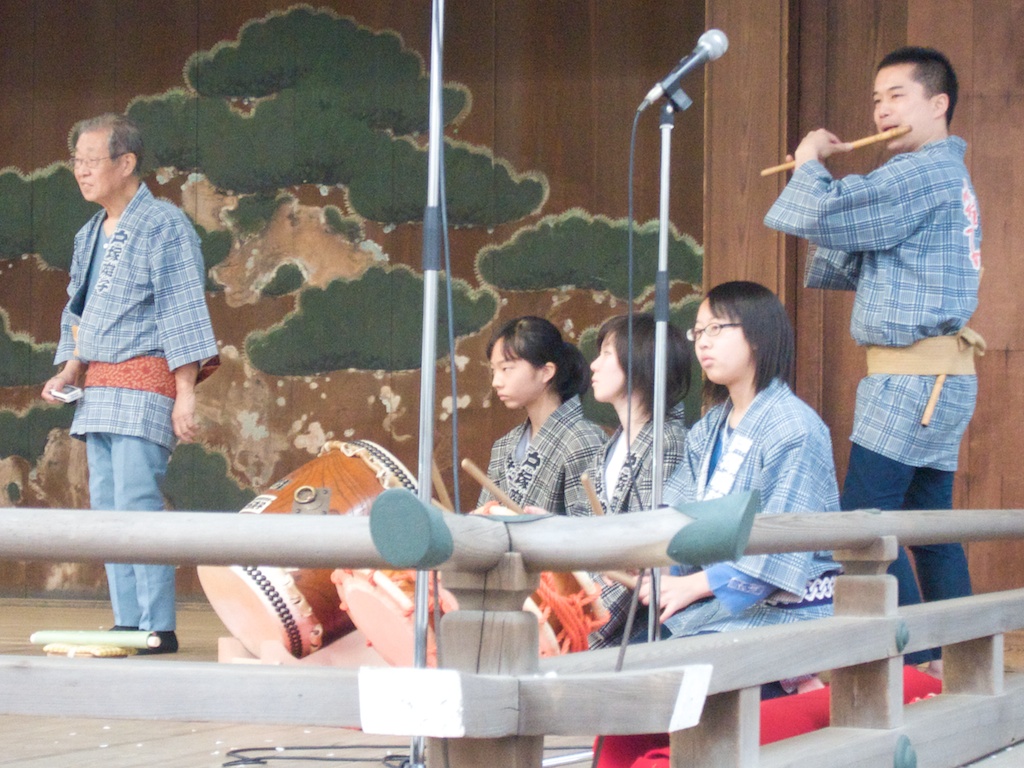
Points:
(904, 756)
(719, 531)
(408, 533)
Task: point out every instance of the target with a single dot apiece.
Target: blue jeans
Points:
(125, 473)
(876, 482)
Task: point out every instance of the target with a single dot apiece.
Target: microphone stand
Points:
(676, 101)
(428, 355)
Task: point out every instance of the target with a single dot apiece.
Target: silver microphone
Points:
(711, 45)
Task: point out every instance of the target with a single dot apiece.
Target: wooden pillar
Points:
(728, 734)
(868, 695)
(490, 634)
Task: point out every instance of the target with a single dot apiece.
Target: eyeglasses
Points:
(711, 329)
(91, 163)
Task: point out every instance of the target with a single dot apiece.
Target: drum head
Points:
(298, 609)
(387, 626)
(380, 604)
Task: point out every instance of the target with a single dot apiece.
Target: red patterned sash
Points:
(148, 374)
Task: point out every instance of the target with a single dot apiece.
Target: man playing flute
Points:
(906, 238)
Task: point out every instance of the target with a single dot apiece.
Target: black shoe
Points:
(122, 628)
(168, 644)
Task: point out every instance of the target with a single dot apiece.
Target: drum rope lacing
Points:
(280, 606)
(571, 612)
(395, 469)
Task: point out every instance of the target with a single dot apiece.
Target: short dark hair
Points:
(931, 69)
(677, 357)
(125, 135)
(538, 342)
(766, 327)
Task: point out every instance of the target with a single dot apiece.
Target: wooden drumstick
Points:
(933, 400)
(490, 486)
(439, 488)
(625, 579)
(892, 133)
(595, 502)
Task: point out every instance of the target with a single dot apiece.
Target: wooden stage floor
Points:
(56, 742)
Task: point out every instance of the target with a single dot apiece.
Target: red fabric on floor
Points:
(780, 719)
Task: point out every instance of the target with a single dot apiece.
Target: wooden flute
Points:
(892, 133)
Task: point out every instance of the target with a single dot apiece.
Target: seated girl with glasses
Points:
(756, 435)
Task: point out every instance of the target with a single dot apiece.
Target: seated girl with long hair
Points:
(541, 461)
(622, 473)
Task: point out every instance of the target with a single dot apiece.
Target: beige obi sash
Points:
(938, 356)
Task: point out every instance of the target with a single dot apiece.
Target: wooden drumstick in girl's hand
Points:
(595, 502)
(490, 486)
(439, 487)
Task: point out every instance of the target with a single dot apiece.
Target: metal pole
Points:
(660, 350)
(661, 308)
(428, 357)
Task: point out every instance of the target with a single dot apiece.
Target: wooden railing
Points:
(495, 700)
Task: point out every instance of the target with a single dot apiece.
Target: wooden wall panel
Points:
(554, 89)
(745, 131)
(808, 96)
(992, 120)
(17, 125)
(994, 112)
(560, 85)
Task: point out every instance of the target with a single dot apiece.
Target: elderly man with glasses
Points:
(134, 335)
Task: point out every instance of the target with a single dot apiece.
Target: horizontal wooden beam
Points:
(854, 530)
(812, 646)
(547, 543)
(751, 657)
(608, 703)
(947, 730)
(492, 705)
(947, 622)
(187, 538)
(151, 689)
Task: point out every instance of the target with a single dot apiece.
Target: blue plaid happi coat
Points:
(149, 300)
(790, 464)
(907, 239)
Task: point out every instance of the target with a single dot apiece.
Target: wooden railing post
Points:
(868, 695)
(490, 634)
(729, 733)
(974, 667)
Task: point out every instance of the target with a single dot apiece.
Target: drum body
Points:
(299, 607)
